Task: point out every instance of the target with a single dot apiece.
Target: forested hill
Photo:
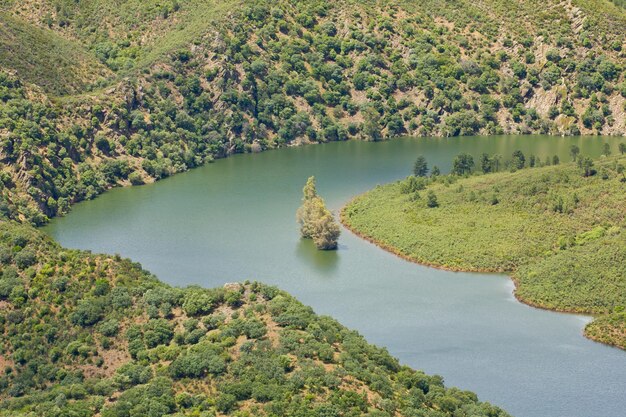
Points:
(85, 335)
(96, 93)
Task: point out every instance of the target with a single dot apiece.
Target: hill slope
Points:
(182, 82)
(86, 335)
(45, 59)
(561, 234)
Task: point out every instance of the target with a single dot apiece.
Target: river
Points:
(234, 220)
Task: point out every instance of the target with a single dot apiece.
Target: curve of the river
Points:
(234, 220)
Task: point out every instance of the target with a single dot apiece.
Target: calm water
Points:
(235, 220)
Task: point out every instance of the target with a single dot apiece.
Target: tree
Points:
(431, 199)
(555, 160)
(88, 312)
(486, 164)
(606, 149)
(435, 171)
(316, 221)
(574, 150)
(586, 164)
(197, 362)
(326, 229)
(25, 258)
(371, 126)
(200, 302)
(622, 148)
(463, 164)
(420, 169)
(519, 160)
(305, 212)
(497, 159)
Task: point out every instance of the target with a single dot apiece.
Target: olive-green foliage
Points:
(86, 335)
(158, 87)
(46, 59)
(609, 328)
(316, 221)
(558, 230)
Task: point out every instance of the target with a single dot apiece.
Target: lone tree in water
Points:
(306, 213)
(316, 221)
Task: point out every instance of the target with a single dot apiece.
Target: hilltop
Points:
(559, 230)
(94, 95)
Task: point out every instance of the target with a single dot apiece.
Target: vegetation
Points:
(420, 168)
(140, 92)
(86, 335)
(560, 230)
(94, 95)
(316, 221)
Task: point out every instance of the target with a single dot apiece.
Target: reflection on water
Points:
(323, 261)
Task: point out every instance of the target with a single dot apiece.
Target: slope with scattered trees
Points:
(143, 91)
(85, 335)
(558, 229)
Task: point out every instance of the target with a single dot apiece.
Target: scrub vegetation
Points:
(102, 93)
(85, 335)
(560, 230)
(95, 95)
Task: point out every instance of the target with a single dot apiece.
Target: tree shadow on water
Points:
(323, 261)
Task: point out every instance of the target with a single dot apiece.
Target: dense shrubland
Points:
(558, 228)
(180, 83)
(86, 335)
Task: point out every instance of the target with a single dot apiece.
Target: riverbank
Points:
(234, 219)
(569, 261)
(110, 337)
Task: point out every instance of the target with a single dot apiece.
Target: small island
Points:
(316, 221)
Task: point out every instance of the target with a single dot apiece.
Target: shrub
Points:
(197, 362)
(25, 258)
(201, 302)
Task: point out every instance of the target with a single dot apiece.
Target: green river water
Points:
(235, 220)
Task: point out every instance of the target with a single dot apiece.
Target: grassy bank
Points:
(560, 234)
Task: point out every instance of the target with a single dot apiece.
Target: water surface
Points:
(235, 220)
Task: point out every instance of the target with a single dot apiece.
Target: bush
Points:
(88, 312)
(109, 328)
(157, 332)
(201, 302)
(431, 199)
(25, 258)
(197, 362)
(135, 178)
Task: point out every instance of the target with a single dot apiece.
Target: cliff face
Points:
(155, 88)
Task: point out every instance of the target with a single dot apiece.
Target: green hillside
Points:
(152, 88)
(102, 93)
(86, 335)
(47, 60)
(560, 233)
